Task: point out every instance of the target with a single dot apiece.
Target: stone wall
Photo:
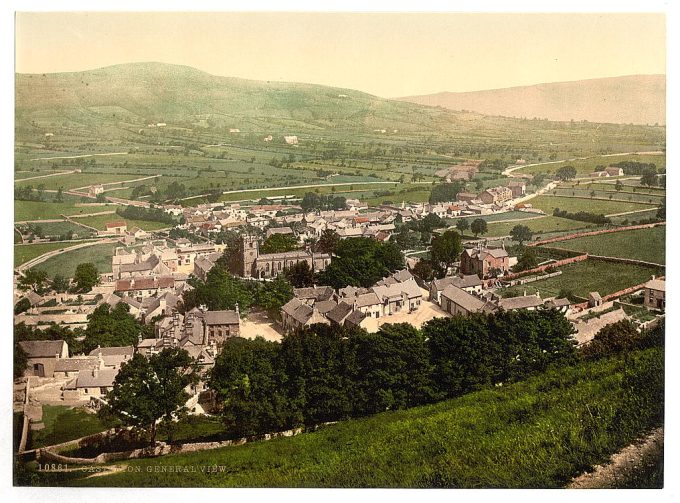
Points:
(593, 233)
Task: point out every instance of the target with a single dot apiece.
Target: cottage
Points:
(113, 357)
(43, 356)
(495, 195)
(469, 283)
(655, 294)
(528, 302)
(518, 188)
(613, 171)
(456, 301)
(71, 367)
(117, 227)
(92, 384)
(296, 315)
(594, 299)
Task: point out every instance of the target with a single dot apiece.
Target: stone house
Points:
(655, 294)
(457, 301)
(470, 283)
(43, 356)
(495, 195)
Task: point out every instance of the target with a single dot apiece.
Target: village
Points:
(151, 272)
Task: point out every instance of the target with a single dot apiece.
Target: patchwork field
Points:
(539, 225)
(24, 253)
(61, 228)
(588, 276)
(642, 244)
(39, 210)
(548, 203)
(65, 263)
(586, 166)
(74, 180)
(99, 222)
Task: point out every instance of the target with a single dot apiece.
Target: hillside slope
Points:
(157, 92)
(637, 99)
(536, 433)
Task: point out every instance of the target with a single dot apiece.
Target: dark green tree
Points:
(86, 277)
(279, 243)
(218, 292)
(272, 295)
(328, 241)
(300, 275)
(566, 173)
(462, 225)
(148, 390)
(32, 279)
(108, 327)
(250, 380)
(521, 233)
(478, 226)
(446, 249)
(526, 261)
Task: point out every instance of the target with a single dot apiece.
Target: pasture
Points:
(591, 275)
(586, 166)
(548, 203)
(26, 252)
(99, 222)
(640, 244)
(65, 263)
(42, 210)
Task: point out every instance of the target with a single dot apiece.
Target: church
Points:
(271, 265)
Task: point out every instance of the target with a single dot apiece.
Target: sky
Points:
(388, 55)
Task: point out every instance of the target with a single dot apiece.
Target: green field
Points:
(61, 228)
(65, 263)
(38, 210)
(586, 166)
(537, 225)
(536, 433)
(548, 203)
(24, 253)
(99, 222)
(63, 424)
(582, 278)
(642, 244)
(74, 180)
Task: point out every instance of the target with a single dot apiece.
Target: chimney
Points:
(237, 311)
(56, 356)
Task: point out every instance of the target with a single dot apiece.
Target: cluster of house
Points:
(607, 172)
(495, 196)
(352, 306)
(199, 331)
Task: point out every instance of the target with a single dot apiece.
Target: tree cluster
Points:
(312, 201)
(445, 192)
(331, 373)
(582, 216)
(151, 214)
(361, 262)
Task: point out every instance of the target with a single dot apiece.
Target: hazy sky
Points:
(385, 54)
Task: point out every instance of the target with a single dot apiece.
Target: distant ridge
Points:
(637, 99)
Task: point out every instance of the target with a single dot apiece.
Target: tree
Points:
(300, 275)
(446, 249)
(328, 241)
(361, 262)
(566, 173)
(60, 283)
(462, 225)
(649, 177)
(424, 269)
(20, 360)
(478, 226)
(58, 198)
(32, 279)
(272, 295)
(618, 186)
(526, 261)
(444, 192)
(108, 327)
(250, 379)
(279, 243)
(23, 305)
(218, 292)
(147, 390)
(392, 369)
(86, 276)
(521, 233)
(618, 337)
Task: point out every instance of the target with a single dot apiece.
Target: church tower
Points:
(249, 252)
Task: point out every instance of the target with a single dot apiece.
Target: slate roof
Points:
(340, 312)
(114, 350)
(221, 318)
(76, 364)
(463, 299)
(523, 302)
(367, 299)
(467, 281)
(355, 318)
(656, 284)
(95, 379)
(299, 311)
(318, 293)
(325, 306)
(41, 349)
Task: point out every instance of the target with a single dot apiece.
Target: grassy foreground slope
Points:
(537, 433)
